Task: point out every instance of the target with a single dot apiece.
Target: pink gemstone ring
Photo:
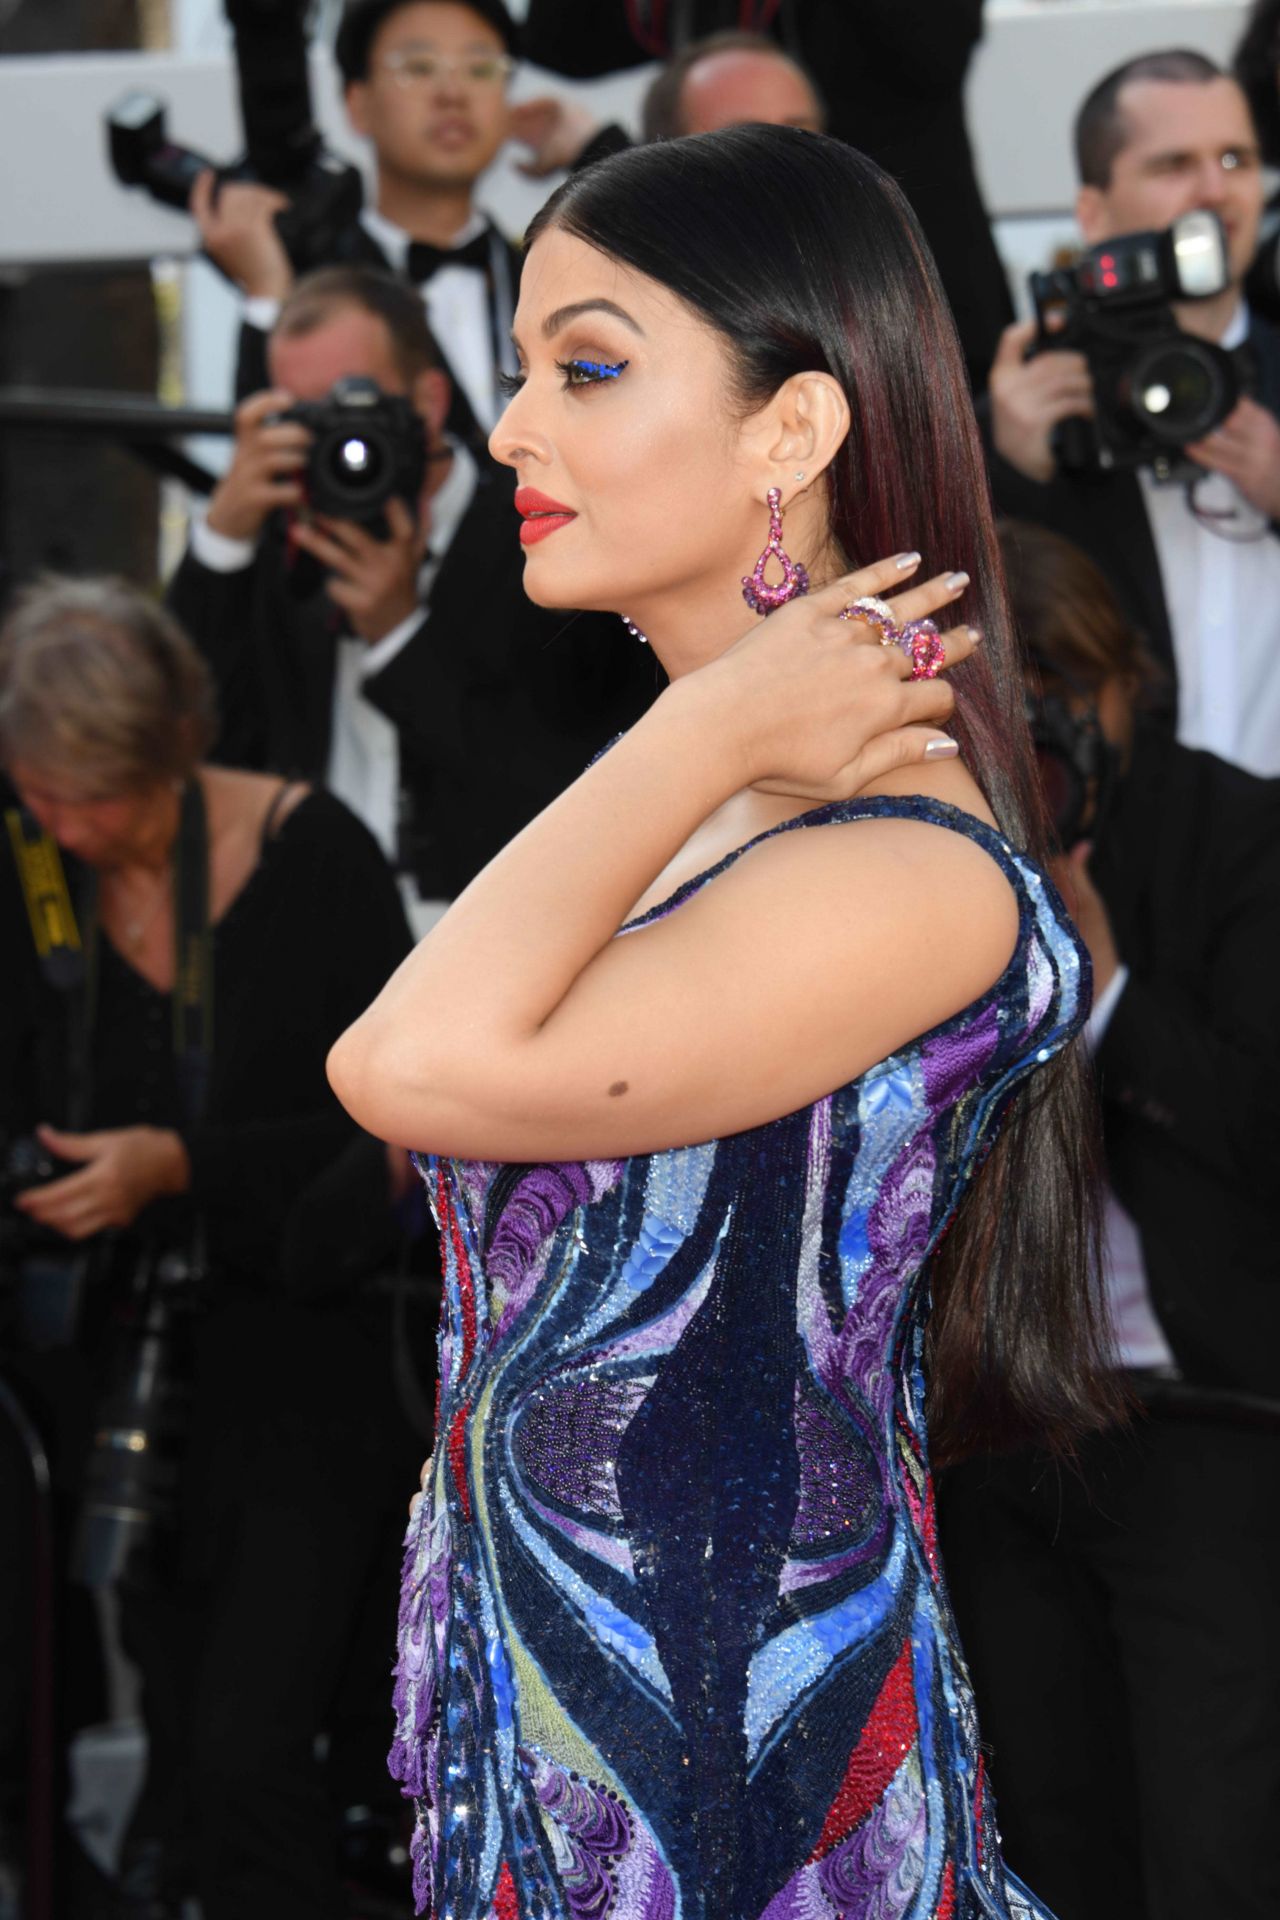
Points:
(924, 647)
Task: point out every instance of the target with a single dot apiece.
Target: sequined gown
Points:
(674, 1642)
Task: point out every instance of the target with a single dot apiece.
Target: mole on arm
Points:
(618, 1087)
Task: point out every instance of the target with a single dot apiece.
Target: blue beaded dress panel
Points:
(674, 1643)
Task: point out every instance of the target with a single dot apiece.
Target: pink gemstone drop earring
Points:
(756, 591)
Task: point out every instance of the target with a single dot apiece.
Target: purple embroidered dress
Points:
(674, 1640)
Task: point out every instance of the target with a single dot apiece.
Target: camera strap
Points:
(67, 948)
(48, 899)
(61, 952)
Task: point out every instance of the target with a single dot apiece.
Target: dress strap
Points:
(910, 806)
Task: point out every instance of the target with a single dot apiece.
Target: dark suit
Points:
(357, 247)
(893, 72)
(498, 704)
(1122, 1614)
(1105, 515)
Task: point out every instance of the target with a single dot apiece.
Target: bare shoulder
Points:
(887, 873)
(882, 927)
(251, 801)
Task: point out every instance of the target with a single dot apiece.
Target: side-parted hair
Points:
(662, 113)
(318, 296)
(100, 687)
(804, 256)
(363, 20)
(1257, 67)
(1101, 131)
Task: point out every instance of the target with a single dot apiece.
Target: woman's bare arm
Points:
(521, 1028)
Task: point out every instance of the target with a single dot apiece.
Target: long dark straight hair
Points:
(805, 256)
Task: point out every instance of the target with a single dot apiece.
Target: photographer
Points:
(425, 83)
(1122, 1618)
(409, 673)
(1196, 567)
(162, 1049)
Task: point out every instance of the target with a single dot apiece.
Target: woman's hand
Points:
(124, 1169)
(818, 705)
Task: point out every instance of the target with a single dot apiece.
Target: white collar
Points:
(395, 242)
(1237, 328)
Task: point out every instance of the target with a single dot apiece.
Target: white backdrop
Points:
(58, 200)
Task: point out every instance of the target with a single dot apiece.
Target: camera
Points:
(283, 148)
(367, 447)
(130, 1502)
(24, 1163)
(1155, 387)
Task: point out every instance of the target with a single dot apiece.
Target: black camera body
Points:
(367, 447)
(282, 147)
(25, 1163)
(1155, 387)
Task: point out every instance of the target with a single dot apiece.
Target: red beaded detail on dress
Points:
(886, 1740)
(946, 1906)
(458, 1457)
(505, 1905)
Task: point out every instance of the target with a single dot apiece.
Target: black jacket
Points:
(893, 74)
(1189, 867)
(498, 704)
(1105, 515)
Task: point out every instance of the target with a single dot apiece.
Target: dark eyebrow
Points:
(563, 315)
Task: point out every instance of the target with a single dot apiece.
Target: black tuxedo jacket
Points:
(357, 247)
(1106, 516)
(893, 74)
(1189, 867)
(498, 704)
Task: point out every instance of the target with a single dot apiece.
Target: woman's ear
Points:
(802, 427)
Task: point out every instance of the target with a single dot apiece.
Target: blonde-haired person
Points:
(105, 715)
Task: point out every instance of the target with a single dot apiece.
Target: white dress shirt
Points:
(1222, 590)
(364, 749)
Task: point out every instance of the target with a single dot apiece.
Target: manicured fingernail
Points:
(941, 749)
(975, 634)
(905, 562)
(954, 582)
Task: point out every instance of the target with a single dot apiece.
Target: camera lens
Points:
(1177, 391)
(354, 466)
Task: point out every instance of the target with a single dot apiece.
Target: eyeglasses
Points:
(421, 69)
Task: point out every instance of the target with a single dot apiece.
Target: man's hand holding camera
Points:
(269, 453)
(1246, 448)
(123, 1170)
(1030, 397)
(237, 223)
(374, 581)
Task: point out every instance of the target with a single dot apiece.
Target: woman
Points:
(210, 1135)
(674, 1639)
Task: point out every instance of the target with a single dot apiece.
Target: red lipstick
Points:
(539, 515)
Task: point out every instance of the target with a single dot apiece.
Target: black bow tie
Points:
(423, 260)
